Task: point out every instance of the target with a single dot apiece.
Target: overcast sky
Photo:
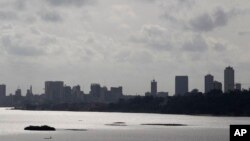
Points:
(118, 42)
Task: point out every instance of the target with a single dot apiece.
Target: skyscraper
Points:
(2, 90)
(18, 92)
(54, 90)
(153, 88)
(95, 90)
(228, 79)
(209, 80)
(181, 85)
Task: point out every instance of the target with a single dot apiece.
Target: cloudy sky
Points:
(117, 42)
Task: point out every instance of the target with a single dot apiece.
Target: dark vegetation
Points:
(214, 103)
(235, 103)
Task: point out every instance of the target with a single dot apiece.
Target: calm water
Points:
(200, 128)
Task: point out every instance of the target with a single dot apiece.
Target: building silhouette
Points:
(76, 94)
(116, 93)
(209, 83)
(116, 90)
(104, 94)
(2, 91)
(29, 92)
(162, 94)
(228, 79)
(54, 90)
(153, 88)
(238, 86)
(95, 90)
(18, 92)
(181, 85)
(67, 94)
(217, 85)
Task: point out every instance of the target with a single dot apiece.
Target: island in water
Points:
(40, 128)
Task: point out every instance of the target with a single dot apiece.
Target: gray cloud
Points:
(173, 10)
(141, 57)
(77, 3)
(202, 23)
(46, 40)
(208, 22)
(244, 33)
(154, 36)
(20, 4)
(153, 30)
(15, 47)
(122, 56)
(8, 15)
(219, 47)
(50, 16)
(198, 44)
(134, 57)
(220, 17)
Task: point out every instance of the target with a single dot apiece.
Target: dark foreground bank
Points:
(231, 104)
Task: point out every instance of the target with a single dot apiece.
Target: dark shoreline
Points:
(219, 105)
(205, 115)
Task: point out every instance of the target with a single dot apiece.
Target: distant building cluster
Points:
(229, 82)
(182, 84)
(154, 91)
(58, 92)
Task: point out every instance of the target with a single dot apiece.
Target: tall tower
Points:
(209, 82)
(228, 79)
(153, 88)
(181, 85)
(54, 90)
(2, 90)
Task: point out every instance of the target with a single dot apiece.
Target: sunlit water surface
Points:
(199, 128)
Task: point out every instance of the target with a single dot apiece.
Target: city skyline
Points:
(124, 69)
(181, 85)
(122, 42)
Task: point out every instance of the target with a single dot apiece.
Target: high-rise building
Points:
(181, 85)
(67, 94)
(54, 90)
(116, 90)
(2, 90)
(115, 93)
(153, 88)
(18, 92)
(104, 94)
(217, 85)
(29, 92)
(209, 80)
(228, 79)
(95, 90)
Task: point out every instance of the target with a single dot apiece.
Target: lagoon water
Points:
(199, 128)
